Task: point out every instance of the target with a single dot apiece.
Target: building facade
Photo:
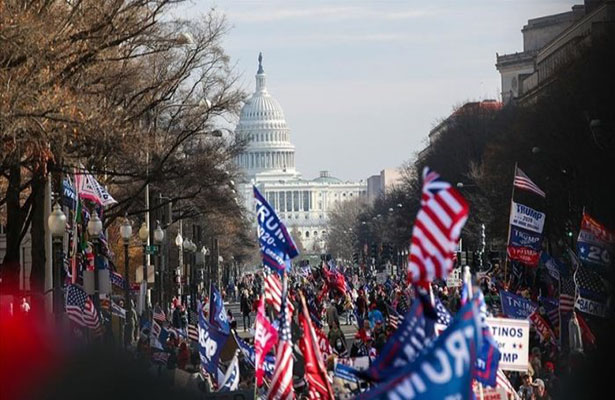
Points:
(379, 185)
(269, 164)
(548, 43)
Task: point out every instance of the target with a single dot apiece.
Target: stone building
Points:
(269, 163)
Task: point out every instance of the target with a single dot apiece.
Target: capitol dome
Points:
(262, 123)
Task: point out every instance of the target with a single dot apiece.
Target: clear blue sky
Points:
(362, 82)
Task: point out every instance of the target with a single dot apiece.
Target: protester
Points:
(246, 308)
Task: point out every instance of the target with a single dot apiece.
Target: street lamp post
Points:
(126, 233)
(144, 235)
(95, 227)
(158, 237)
(57, 225)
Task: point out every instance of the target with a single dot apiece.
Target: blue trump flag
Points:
(217, 314)
(488, 358)
(514, 306)
(443, 371)
(277, 247)
(250, 355)
(211, 341)
(403, 347)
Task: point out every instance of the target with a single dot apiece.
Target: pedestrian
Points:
(540, 392)
(348, 308)
(24, 307)
(337, 340)
(176, 317)
(374, 315)
(246, 308)
(183, 356)
(526, 390)
(332, 315)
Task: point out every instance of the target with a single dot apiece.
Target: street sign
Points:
(454, 278)
(151, 250)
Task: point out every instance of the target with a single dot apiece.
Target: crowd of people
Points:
(357, 318)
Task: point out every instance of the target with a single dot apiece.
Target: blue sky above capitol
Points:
(362, 82)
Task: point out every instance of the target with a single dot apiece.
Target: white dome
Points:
(261, 121)
(262, 107)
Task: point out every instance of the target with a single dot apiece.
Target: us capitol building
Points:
(269, 163)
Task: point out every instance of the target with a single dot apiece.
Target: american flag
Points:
(444, 317)
(590, 285)
(503, 382)
(282, 380)
(159, 314)
(566, 295)
(273, 291)
(118, 280)
(156, 329)
(436, 230)
(393, 319)
(81, 310)
(193, 332)
(523, 182)
(552, 308)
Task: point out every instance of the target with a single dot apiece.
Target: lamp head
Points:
(143, 232)
(158, 233)
(126, 230)
(95, 225)
(57, 221)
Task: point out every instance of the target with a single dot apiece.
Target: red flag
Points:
(264, 339)
(315, 371)
(323, 344)
(588, 336)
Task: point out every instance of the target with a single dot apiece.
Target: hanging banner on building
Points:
(595, 243)
(526, 217)
(513, 339)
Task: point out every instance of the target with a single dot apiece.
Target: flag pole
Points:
(467, 280)
(512, 196)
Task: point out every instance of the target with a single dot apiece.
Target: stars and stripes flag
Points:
(282, 381)
(566, 295)
(523, 182)
(273, 291)
(118, 280)
(503, 382)
(436, 230)
(193, 332)
(159, 315)
(81, 310)
(393, 318)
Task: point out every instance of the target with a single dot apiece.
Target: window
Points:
(307, 234)
(315, 233)
(306, 200)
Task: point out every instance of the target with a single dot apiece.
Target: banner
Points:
(517, 307)
(276, 245)
(217, 314)
(591, 307)
(211, 342)
(553, 266)
(442, 372)
(513, 339)
(524, 255)
(595, 243)
(249, 354)
(526, 217)
(524, 246)
(542, 328)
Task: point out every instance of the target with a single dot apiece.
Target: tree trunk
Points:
(37, 233)
(14, 225)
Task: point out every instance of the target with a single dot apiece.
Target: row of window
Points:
(267, 160)
(306, 234)
(270, 137)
